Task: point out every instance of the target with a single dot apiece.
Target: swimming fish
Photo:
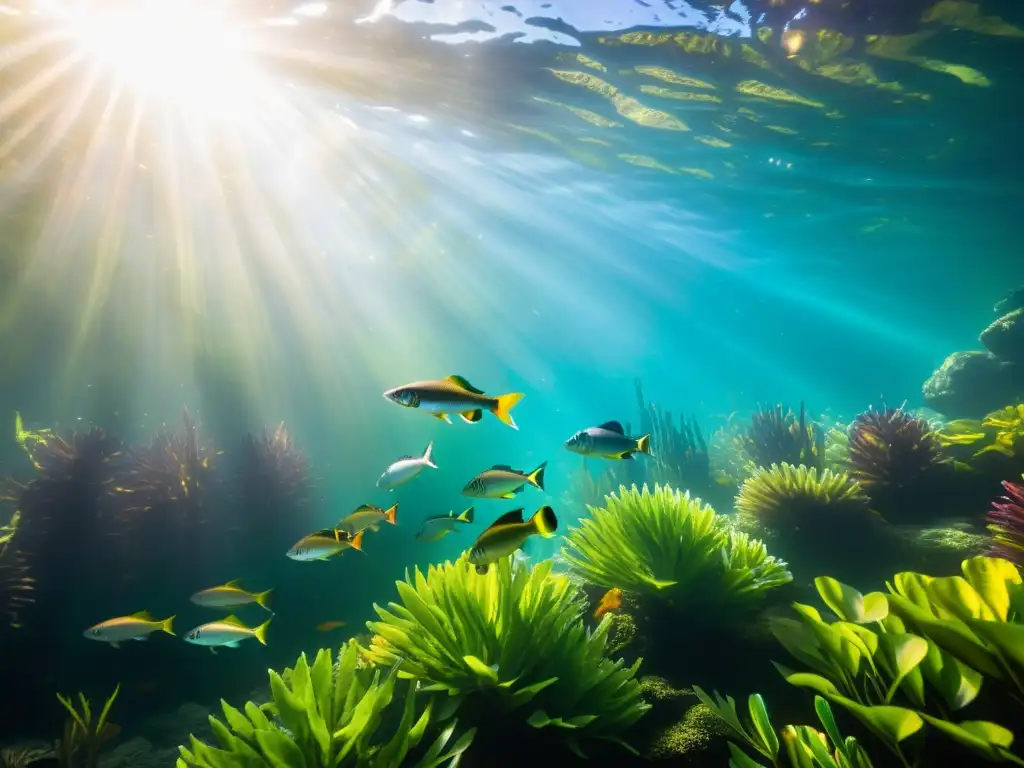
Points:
(226, 633)
(405, 469)
(327, 626)
(503, 482)
(453, 394)
(608, 441)
(324, 544)
(437, 527)
(508, 533)
(610, 601)
(137, 626)
(231, 595)
(368, 516)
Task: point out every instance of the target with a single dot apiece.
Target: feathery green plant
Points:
(517, 634)
(325, 717)
(83, 737)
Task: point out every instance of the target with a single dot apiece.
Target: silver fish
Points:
(608, 441)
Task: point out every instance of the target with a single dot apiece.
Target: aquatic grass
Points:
(513, 638)
(788, 497)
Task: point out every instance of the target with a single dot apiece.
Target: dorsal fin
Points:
(233, 621)
(462, 383)
(612, 426)
(506, 467)
(515, 516)
(236, 583)
(144, 615)
(327, 533)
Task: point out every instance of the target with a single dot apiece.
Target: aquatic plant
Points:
(778, 436)
(1001, 432)
(23, 756)
(680, 454)
(84, 735)
(671, 546)
(1006, 524)
(511, 642)
(790, 498)
(327, 715)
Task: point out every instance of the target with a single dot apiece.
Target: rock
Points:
(969, 385)
(1014, 300)
(938, 551)
(134, 753)
(1005, 337)
(175, 727)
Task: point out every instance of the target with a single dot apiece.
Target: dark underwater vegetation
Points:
(765, 255)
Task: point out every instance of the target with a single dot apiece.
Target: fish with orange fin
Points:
(610, 601)
(327, 626)
(454, 394)
(368, 516)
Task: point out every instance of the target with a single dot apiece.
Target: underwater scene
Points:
(435, 383)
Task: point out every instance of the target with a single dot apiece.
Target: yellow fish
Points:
(508, 533)
(454, 394)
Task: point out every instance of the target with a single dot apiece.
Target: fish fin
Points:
(144, 615)
(466, 516)
(375, 527)
(515, 516)
(643, 445)
(545, 522)
(537, 476)
(442, 417)
(462, 383)
(330, 533)
(357, 541)
(232, 644)
(233, 621)
(506, 467)
(115, 645)
(167, 625)
(427, 453)
(503, 407)
(391, 515)
(625, 456)
(213, 650)
(511, 495)
(263, 599)
(237, 583)
(612, 426)
(472, 417)
(141, 638)
(260, 633)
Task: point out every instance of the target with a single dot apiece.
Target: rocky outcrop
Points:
(1005, 337)
(969, 385)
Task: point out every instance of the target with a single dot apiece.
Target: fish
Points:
(508, 533)
(405, 469)
(610, 601)
(608, 441)
(231, 595)
(327, 626)
(226, 633)
(454, 394)
(324, 544)
(503, 482)
(368, 516)
(137, 626)
(437, 527)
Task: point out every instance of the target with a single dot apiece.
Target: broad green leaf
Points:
(991, 577)
(828, 721)
(763, 724)
(279, 750)
(526, 694)
(238, 722)
(810, 680)
(989, 740)
(799, 754)
(1008, 642)
(256, 716)
(957, 597)
(740, 759)
(482, 670)
(891, 724)
(900, 655)
(817, 744)
(849, 604)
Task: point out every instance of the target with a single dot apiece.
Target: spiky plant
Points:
(777, 435)
(510, 645)
(671, 546)
(1006, 524)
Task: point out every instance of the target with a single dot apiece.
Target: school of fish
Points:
(504, 537)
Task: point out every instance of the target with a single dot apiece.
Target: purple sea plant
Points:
(1006, 523)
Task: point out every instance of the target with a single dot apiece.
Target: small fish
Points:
(226, 633)
(508, 533)
(137, 626)
(231, 595)
(405, 469)
(503, 482)
(437, 527)
(610, 601)
(608, 441)
(368, 516)
(324, 544)
(327, 626)
(453, 394)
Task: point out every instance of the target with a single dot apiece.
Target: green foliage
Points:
(669, 545)
(788, 497)
(896, 681)
(517, 634)
(1001, 431)
(83, 737)
(324, 716)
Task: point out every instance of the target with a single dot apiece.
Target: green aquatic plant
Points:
(85, 735)
(1001, 431)
(671, 546)
(785, 497)
(778, 436)
(514, 639)
(680, 454)
(24, 756)
(326, 716)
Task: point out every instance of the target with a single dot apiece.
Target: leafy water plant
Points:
(326, 716)
(1006, 524)
(671, 546)
(84, 736)
(511, 641)
(1001, 431)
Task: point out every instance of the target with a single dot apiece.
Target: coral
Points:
(789, 498)
(837, 448)
(1006, 523)
(326, 717)
(84, 735)
(670, 546)
(777, 435)
(509, 643)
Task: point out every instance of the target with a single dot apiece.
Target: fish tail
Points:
(391, 515)
(357, 541)
(263, 599)
(260, 633)
(466, 516)
(643, 445)
(167, 625)
(503, 405)
(537, 476)
(472, 417)
(427, 453)
(544, 521)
